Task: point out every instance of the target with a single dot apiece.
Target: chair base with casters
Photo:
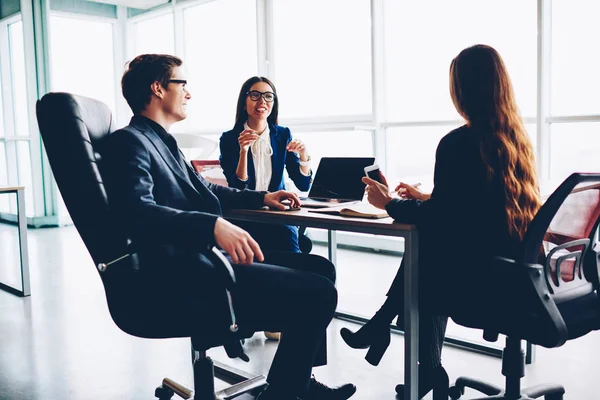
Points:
(205, 370)
(513, 368)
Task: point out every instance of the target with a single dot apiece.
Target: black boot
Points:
(435, 379)
(320, 391)
(375, 334)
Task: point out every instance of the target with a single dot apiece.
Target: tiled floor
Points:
(60, 343)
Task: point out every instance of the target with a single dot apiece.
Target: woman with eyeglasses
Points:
(255, 153)
(485, 194)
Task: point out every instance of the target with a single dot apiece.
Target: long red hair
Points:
(482, 93)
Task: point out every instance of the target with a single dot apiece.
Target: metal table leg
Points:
(411, 317)
(23, 249)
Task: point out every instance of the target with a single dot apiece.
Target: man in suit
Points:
(171, 214)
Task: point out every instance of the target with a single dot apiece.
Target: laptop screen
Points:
(340, 178)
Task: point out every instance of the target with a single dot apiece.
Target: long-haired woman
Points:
(485, 194)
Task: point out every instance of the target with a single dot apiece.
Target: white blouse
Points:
(261, 156)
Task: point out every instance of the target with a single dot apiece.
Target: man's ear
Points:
(157, 89)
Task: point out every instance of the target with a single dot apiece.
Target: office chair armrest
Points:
(511, 298)
(521, 291)
(130, 251)
(222, 264)
(233, 347)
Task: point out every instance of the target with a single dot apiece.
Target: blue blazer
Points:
(281, 158)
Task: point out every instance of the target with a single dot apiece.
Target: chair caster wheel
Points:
(163, 393)
(456, 392)
(553, 397)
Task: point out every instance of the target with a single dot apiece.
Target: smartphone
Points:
(372, 171)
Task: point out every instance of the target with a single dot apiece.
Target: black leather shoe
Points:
(320, 391)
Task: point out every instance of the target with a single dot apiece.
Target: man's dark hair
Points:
(141, 73)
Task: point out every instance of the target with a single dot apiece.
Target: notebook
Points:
(359, 210)
(337, 181)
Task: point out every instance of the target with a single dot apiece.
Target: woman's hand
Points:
(246, 138)
(297, 146)
(378, 194)
(410, 192)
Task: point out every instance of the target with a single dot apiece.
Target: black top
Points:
(465, 218)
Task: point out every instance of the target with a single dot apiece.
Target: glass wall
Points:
(360, 77)
(15, 135)
(422, 38)
(154, 35)
(575, 87)
(322, 59)
(218, 60)
(83, 63)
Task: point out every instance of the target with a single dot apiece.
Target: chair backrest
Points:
(72, 128)
(196, 146)
(563, 235)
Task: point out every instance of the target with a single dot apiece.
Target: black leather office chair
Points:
(72, 128)
(548, 295)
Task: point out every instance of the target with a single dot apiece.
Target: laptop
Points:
(337, 181)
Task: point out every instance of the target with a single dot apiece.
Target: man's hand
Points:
(377, 193)
(237, 243)
(273, 200)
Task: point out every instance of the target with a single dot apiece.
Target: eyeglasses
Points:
(182, 81)
(255, 95)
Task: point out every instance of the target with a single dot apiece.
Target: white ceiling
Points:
(143, 4)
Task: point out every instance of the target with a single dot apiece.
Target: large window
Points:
(19, 86)
(574, 92)
(154, 35)
(323, 57)
(374, 72)
(218, 59)
(411, 153)
(4, 200)
(422, 38)
(574, 148)
(575, 57)
(15, 156)
(82, 58)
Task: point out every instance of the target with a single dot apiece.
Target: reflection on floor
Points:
(60, 343)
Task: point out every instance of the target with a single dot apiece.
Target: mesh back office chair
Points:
(72, 128)
(547, 297)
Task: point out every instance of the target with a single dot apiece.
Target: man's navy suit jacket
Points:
(168, 211)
